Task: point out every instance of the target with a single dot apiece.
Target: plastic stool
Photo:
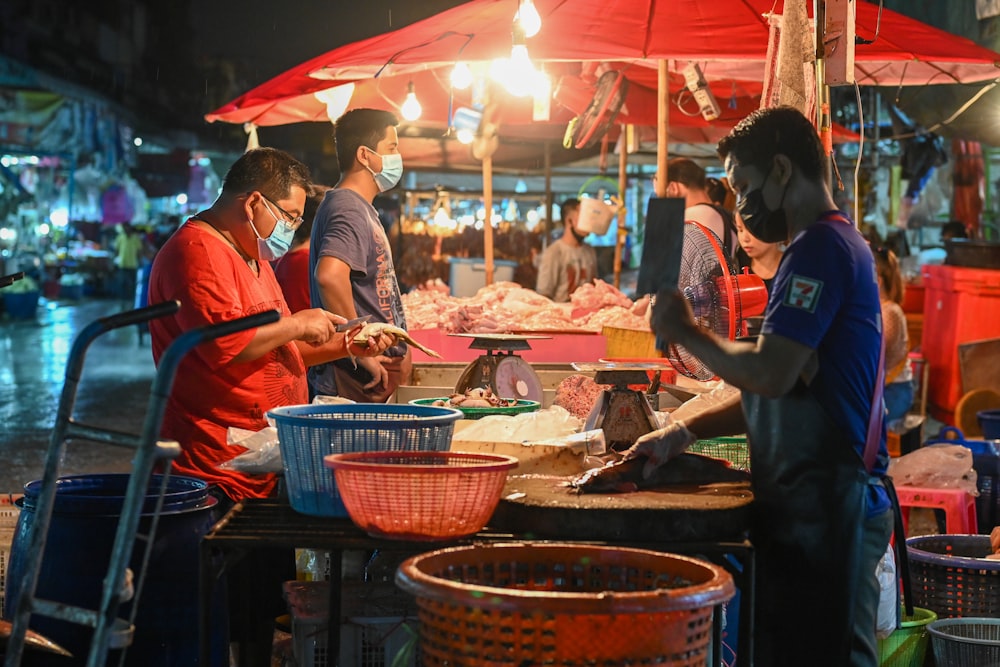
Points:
(959, 507)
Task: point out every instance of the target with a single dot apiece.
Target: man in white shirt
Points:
(686, 179)
(568, 262)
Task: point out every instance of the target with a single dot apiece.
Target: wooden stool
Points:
(959, 507)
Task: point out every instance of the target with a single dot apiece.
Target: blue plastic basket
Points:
(952, 577)
(307, 433)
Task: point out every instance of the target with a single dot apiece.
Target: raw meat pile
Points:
(578, 394)
(479, 397)
(506, 307)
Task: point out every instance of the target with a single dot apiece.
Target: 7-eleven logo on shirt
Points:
(803, 293)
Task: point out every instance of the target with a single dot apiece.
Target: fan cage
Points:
(708, 281)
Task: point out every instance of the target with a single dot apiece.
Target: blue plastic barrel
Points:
(78, 551)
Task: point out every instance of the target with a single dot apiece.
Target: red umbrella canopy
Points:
(727, 37)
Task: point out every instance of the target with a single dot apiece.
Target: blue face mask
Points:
(280, 240)
(392, 171)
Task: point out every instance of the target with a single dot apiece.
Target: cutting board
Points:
(979, 365)
(544, 507)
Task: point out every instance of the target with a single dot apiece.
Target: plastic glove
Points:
(660, 446)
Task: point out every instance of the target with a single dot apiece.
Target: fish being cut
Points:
(684, 470)
(376, 328)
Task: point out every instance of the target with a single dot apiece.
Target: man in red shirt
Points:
(217, 266)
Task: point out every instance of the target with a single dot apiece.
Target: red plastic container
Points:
(961, 305)
(420, 496)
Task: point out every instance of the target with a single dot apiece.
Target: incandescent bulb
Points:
(461, 76)
(411, 108)
(441, 217)
(528, 16)
(516, 73)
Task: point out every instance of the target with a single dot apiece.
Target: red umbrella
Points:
(728, 37)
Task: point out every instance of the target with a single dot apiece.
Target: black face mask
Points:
(770, 226)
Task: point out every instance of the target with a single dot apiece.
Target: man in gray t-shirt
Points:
(350, 260)
(568, 262)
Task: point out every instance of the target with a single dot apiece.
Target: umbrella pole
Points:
(488, 222)
(547, 227)
(622, 182)
(662, 129)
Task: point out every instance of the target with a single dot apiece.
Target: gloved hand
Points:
(660, 446)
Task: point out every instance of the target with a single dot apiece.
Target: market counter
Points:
(562, 346)
(260, 524)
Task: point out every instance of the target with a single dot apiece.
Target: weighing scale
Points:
(623, 414)
(500, 369)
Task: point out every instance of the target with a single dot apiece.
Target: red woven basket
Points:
(420, 496)
(546, 603)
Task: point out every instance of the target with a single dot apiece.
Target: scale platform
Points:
(500, 369)
(624, 414)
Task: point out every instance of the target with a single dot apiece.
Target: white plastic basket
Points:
(379, 623)
(364, 642)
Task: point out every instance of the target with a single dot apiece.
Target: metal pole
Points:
(662, 128)
(622, 183)
(488, 222)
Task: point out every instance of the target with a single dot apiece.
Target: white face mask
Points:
(392, 171)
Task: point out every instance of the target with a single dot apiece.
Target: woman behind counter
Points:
(761, 258)
(898, 371)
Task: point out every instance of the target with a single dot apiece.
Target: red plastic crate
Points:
(961, 305)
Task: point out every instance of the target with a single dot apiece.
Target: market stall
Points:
(730, 41)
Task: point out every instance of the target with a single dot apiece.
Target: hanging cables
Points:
(857, 164)
(878, 24)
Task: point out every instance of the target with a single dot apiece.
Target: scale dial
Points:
(515, 378)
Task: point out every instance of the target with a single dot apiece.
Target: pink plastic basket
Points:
(420, 495)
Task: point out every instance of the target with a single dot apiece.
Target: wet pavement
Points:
(113, 391)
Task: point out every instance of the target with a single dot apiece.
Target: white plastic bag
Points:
(940, 466)
(719, 394)
(262, 456)
(888, 599)
(552, 422)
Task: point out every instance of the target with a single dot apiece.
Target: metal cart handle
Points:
(11, 278)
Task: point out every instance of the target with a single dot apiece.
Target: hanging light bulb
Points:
(516, 73)
(411, 108)
(521, 73)
(461, 76)
(528, 17)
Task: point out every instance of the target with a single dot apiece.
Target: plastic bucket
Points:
(78, 552)
(989, 423)
(907, 646)
(595, 216)
(21, 305)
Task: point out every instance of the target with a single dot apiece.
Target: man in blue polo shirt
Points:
(821, 517)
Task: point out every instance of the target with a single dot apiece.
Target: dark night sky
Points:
(268, 37)
(271, 36)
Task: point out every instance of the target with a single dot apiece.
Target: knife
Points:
(350, 324)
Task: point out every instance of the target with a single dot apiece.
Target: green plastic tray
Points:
(730, 448)
(476, 413)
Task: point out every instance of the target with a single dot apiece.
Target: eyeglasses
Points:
(293, 221)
